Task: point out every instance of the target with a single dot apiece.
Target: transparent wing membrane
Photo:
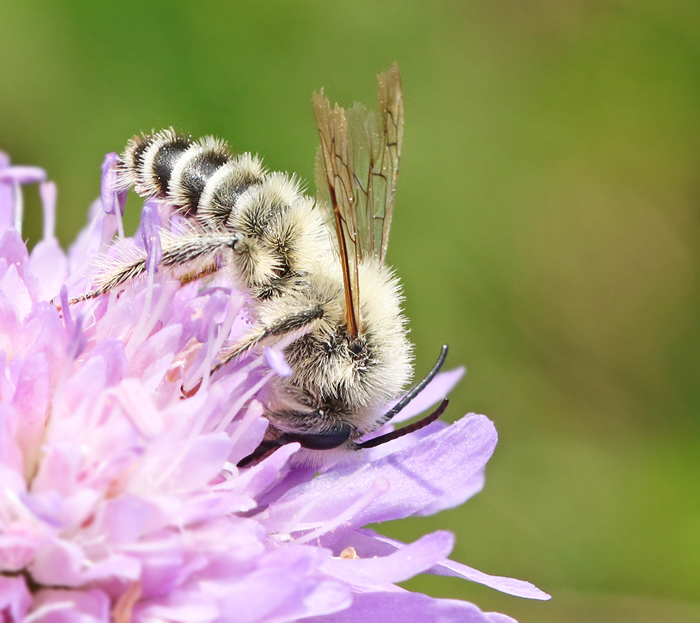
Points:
(356, 172)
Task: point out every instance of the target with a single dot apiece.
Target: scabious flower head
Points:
(121, 501)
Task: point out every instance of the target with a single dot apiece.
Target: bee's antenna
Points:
(417, 389)
(409, 428)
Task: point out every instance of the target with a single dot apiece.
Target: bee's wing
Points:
(335, 167)
(376, 136)
(356, 172)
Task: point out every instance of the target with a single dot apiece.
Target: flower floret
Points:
(120, 498)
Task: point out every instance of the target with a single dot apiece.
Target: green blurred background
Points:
(547, 227)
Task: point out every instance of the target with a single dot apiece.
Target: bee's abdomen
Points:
(193, 169)
(149, 159)
(172, 166)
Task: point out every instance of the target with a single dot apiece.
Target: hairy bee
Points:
(321, 274)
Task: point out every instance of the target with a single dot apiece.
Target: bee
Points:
(313, 267)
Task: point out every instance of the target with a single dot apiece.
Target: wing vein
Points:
(356, 174)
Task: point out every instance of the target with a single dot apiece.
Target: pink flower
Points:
(120, 501)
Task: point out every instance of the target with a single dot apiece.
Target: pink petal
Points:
(13, 250)
(61, 606)
(519, 588)
(294, 596)
(50, 265)
(405, 607)
(43, 332)
(369, 543)
(14, 287)
(199, 461)
(17, 548)
(456, 496)
(152, 359)
(31, 400)
(418, 476)
(9, 325)
(111, 353)
(11, 459)
(15, 598)
(275, 359)
(263, 476)
(398, 566)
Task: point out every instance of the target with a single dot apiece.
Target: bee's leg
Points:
(176, 251)
(202, 271)
(274, 331)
